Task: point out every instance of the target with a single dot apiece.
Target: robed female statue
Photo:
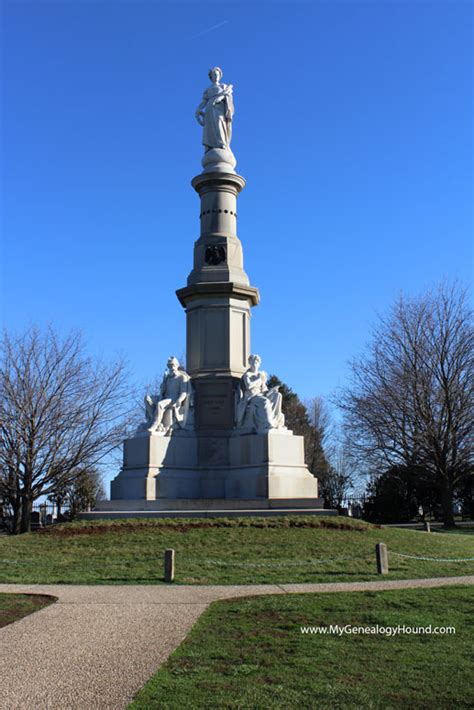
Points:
(215, 112)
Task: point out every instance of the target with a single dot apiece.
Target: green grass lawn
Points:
(250, 653)
(16, 606)
(227, 551)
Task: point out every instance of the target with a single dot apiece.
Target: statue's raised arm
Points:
(215, 114)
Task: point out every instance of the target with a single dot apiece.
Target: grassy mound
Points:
(251, 653)
(228, 551)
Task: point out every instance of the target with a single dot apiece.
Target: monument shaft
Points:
(217, 299)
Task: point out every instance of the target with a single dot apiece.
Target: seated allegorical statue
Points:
(169, 409)
(258, 408)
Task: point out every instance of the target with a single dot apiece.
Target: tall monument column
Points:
(215, 431)
(217, 299)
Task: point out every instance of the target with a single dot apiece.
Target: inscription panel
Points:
(214, 404)
(215, 342)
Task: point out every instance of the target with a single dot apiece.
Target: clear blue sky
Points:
(353, 129)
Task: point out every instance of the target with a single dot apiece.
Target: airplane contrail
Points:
(214, 27)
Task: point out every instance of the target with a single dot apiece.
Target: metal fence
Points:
(43, 514)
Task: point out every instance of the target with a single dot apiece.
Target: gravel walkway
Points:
(98, 645)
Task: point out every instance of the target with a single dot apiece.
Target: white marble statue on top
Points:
(259, 408)
(215, 114)
(169, 410)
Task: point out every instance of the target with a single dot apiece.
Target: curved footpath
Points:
(98, 645)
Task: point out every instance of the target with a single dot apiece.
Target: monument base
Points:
(248, 467)
(195, 508)
(207, 505)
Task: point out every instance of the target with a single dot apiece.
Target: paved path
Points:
(98, 645)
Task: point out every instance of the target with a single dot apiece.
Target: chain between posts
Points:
(433, 559)
(381, 560)
(169, 561)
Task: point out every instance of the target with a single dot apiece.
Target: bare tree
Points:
(322, 422)
(340, 479)
(59, 414)
(330, 457)
(411, 400)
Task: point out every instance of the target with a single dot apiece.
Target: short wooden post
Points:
(382, 558)
(169, 565)
(427, 526)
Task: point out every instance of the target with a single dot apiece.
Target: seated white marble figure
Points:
(169, 409)
(258, 407)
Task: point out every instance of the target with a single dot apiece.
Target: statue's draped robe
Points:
(259, 406)
(217, 130)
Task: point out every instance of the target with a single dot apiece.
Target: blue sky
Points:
(353, 129)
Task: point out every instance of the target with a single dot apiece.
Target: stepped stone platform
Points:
(206, 508)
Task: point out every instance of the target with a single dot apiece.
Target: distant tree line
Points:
(402, 494)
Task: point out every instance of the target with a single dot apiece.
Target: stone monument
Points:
(215, 431)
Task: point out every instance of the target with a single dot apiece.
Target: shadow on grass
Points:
(14, 607)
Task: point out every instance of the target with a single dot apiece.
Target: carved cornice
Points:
(228, 289)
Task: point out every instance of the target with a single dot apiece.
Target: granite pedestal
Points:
(215, 465)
